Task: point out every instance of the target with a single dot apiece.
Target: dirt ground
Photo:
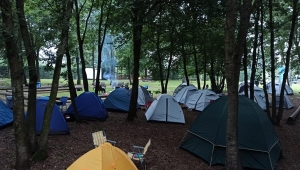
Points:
(164, 152)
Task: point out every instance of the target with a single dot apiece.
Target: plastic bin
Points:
(38, 84)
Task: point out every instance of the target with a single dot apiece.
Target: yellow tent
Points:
(104, 157)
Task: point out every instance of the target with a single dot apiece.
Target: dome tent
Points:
(143, 96)
(58, 124)
(184, 93)
(288, 90)
(6, 115)
(259, 96)
(201, 99)
(178, 88)
(165, 109)
(257, 140)
(89, 106)
(118, 100)
(103, 157)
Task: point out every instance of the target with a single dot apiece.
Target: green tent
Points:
(258, 143)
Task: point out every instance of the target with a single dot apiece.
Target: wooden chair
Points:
(138, 153)
(99, 138)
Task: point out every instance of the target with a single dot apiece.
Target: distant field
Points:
(154, 86)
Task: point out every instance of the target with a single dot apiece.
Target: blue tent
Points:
(58, 124)
(89, 106)
(118, 100)
(6, 115)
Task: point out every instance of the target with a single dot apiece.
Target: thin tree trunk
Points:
(263, 58)
(31, 56)
(254, 57)
(9, 33)
(78, 70)
(287, 62)
(71, 84)
(170, 57)
(196, 66)
(81, 41)
(101, 42)
(137, 40)
(245, 64)
(184, 56)
(160, 60)
(55, 82)
(272, 51)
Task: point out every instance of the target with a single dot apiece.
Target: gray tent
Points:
(143, 96)
(165, 109)
(184, 93)
(259, 97)
(200, 99)
(288, 90)
(178, 88)
(257, 140)
(287, 104)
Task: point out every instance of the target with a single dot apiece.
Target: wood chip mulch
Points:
(164, 152)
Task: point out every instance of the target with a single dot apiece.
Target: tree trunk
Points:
(170, 57)
(254, 58)
(272, 51)
(37, 65)
(196, 66)
(137, 40)
(160, 62)
(234, 48)
(287, 62)
(55, 82)
(80, 43)
(31, 56)
(245, 64)
(263, 57)
(9, 33)
(101, 42)
(78, 70)
(184, 56)
(71, 85)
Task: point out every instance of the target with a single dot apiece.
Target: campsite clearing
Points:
(164, 152)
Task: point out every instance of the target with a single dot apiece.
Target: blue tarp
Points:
(89, 106)
(58, 124)
(6, 115)
(118, 100)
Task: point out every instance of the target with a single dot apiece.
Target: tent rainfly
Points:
(104, 157)
(201, 99)
(257, 140)
(165, 109)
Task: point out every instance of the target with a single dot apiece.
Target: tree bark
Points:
(9, 33)
(184, 58)
(101, 41)
(254, 56)
(71, 85)
(55, 82)
(137, 40)
(263, 57)
(80, 43)
(245, 64)
(31, 56)
(272, 51)
(234, 47)
(287, 62)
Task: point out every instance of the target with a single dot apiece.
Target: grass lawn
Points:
(153, 86)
